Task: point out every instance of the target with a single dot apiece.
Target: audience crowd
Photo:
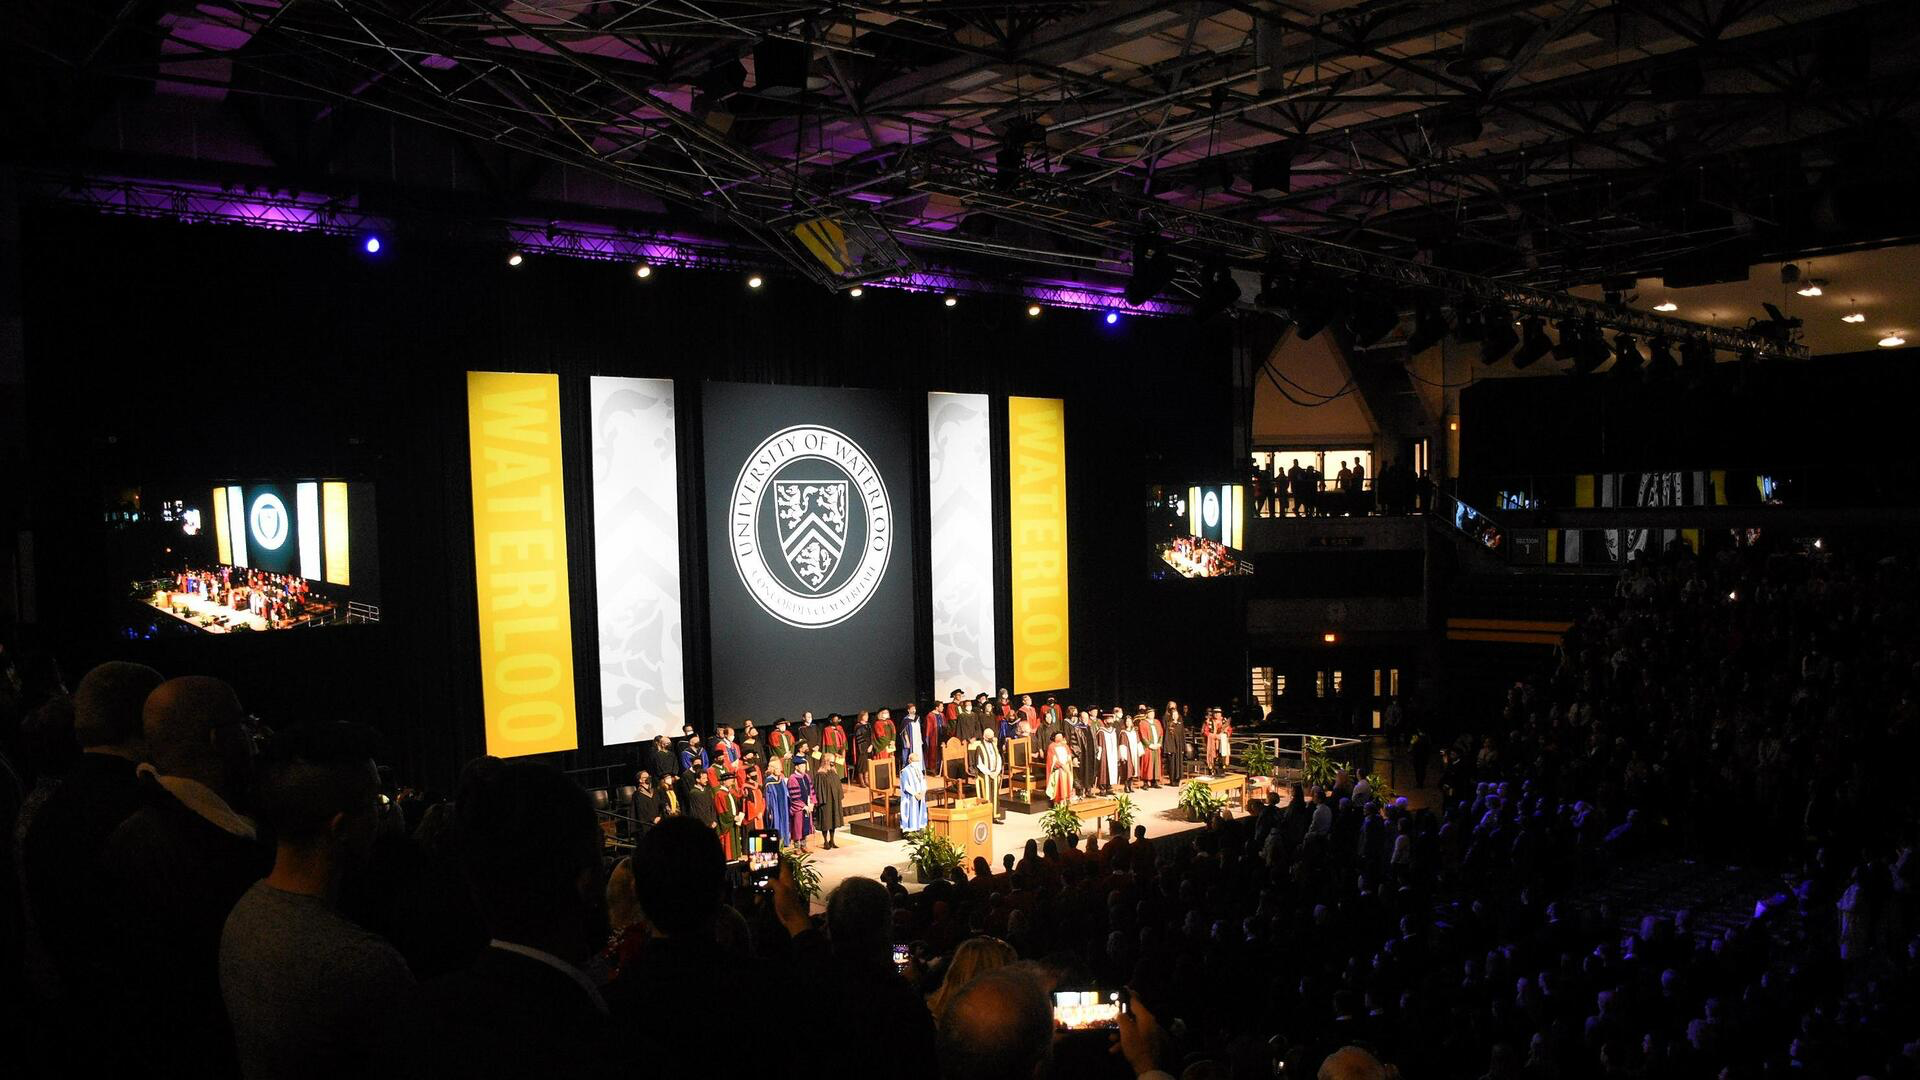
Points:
(189, 894)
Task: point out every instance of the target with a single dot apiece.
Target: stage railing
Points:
(1351, 752)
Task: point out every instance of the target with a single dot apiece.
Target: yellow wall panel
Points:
(1037, 465)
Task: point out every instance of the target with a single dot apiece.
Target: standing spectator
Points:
(173, 871)
(59, 852)
(529, 847)
(304, 986)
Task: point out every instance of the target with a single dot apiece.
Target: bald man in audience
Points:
(999, 1027)
(60, 851)
(1355, 1063)
(173, 871)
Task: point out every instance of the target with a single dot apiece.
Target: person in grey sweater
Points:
(304, 986)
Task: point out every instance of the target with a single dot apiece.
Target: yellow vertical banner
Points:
(222, 540)
(1037, 517)
(520, 562)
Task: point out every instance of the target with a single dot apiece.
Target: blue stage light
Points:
(372, 245)
(1112, 317)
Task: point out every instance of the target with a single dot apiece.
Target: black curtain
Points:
(163, 352)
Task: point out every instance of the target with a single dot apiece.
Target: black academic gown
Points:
(1080, 741)
(1175, 739)
(828, 813)
(696, 802)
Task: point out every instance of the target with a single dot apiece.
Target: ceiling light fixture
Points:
(755, 281)
(1666, 305)
(1856, 317)
(515, 259)
(950, 301)
(1033, 311)
(1892, 341)
(855, 292)
(1811, 288)
(643, 270)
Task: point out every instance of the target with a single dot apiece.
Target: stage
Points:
(203, 612)
(856, 856)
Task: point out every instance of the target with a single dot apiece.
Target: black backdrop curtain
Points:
(166, 352)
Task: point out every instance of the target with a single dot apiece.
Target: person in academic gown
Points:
(830, 814)
(1218, 750)
(693, 756)
(1151, 738)
(859, 747)
(753, 801)
(967, 725)
(1059, 770)
(937, 726)
(1131, 748)
(913, 796)
(726, 819)
(912, 748)
(1080, 740)
(809, 732)
(697, 799)
(750, 743)
(988, 766)
(648, 806)
(660, 760)
(669, 790)
(800, 801)
(780, 743)
(724, 748)
(1176, 740)
(1107, 747)
(886, 737)
(778, 817)
(833, 741)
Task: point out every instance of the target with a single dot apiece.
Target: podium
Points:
(969, 825)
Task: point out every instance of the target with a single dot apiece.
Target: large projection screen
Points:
(636, 538)
(810, 500)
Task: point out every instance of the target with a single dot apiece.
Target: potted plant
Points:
(1258, 760)
(806, 876)
(1060, 823)
(1316, 768)
(934, 857)
(1199, 801)
(1382, 791)
(1125, 810)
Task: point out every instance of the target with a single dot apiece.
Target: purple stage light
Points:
(1112, 317)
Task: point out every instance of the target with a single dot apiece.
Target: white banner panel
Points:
(960, 498)
(307, 527)
(636, 539)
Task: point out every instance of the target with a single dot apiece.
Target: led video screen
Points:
(810, 500)
(224, 557)
(1196, 531)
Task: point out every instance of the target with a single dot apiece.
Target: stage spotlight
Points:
(1274, 291)
(1660, 363)
(371, 245)
(1499, 337)
(1033, 311)
(1313, 311)
(855, 292)
(1627, 360)
(1152, 270)
(1568, 347)
(1218, 291)
(1373, 318)
(1112, 317)
(1593, 347)
(755, 281)
(1429, 326)
(951, 300)
(643, 270)
(514, 258)
(1534, 342)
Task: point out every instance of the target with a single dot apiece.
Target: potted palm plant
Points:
(1199, 801)
(1060, 823)
(1316, 767)
(806, 876)
(1125, 811)
(934, 857)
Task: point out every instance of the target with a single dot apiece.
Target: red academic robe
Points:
(1060, 773)
(756, 801)
(1148, 767)
(781, 743)
(883, 737)
(833, 742)
(1213, 731)
(935, 725)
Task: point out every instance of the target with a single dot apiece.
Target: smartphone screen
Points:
(902, 955)
(763, 859)
(1088, 1010)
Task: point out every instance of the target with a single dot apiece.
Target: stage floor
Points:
(857, 856)
(202, 608)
